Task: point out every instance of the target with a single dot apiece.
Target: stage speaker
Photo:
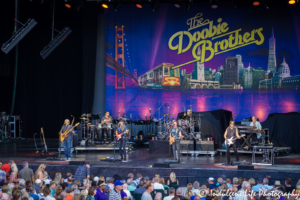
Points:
(204, 145)
(267, 136)
(79, 133)
(245, 167)
(75, 140)
(187, 146)
(162, 165)
(76, 162)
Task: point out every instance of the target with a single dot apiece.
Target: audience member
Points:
(131, 188)
(259, 185)
(47, 194)
(212, 185)
(82, 172)
(5, 196)
(6, 167)
(189, 192)
(173, 180)
(91, 194)
(228, 182)
(11, 186)
(220, 181)
(158, 196)
(137, 181)
(2, 175)
(157, 185)
(16, 195)
(242, 194)
(235, 183)
(70, 193)
(109, 181)
(179, 194)
(141, 188)
(196, 186)
(288, 186)
(125, 189)
(39, 174)
(100, 192)
(26, 173)
(22, 183)
(116, 192)
(162, 181)
(266, 184)
(171, 194)
(58, 191)
(14, 173)
(149, 188)
(77, 195)
(32, 193)
(252, 182)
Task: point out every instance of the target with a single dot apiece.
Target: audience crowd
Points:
(25, 184)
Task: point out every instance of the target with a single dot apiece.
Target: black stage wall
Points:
(50, 90)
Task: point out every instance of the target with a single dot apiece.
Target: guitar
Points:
(64, 135)
(72, 120)
(172, 139)
(120, 135)
(231, 140)
(45, 145)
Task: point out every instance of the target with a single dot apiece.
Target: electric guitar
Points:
(231, 140)
(64, 135)
(45, 145)
(120, 135)
(172, 139)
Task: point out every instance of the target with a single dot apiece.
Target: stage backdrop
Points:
(245, 61)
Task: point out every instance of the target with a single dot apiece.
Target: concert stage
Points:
(139, 160)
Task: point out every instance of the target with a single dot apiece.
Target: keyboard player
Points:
(257, 125)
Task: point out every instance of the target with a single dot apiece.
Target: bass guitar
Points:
(231, 140)
(120, 135)
(64, 135)
(172, 139)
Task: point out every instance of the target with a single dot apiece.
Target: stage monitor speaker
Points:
(245, 167)
(162, 165)
(79, 133)
(186, 146)
(204, 145)
(76, 162)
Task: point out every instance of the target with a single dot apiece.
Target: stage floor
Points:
(20, 151)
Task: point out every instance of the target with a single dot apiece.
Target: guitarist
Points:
(176, 132)
(68, 141)
(122, 142)
(231, 131)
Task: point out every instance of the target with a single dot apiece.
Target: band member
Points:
(106, 119)
(257, 125)
(122, 142)
(68, 140)
(188, 114)
(176, 132)
(231, 131)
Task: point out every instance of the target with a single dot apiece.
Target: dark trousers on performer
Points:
(176, 146)
(122, 148)
(228, 152)
(67, 147)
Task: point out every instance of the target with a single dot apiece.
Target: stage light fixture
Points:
(177, 5)
(267, 3)
(189, 4)
(104, 5)
(214, 4)
(154, 5)
(256, 2)
(117, 4)
(139, 6)
(15, 39)
(68, 5)
(55, 42)
(236, 4)
(292, 1)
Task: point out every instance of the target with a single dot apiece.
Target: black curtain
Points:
(284, 129)
(213, 124)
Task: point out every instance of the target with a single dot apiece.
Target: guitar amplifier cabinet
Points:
(187, 146)
(204, 146)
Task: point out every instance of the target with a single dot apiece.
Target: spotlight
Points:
(68, 5)
(139, 6)
(104, 5)
(154, 5)
(292, 1)
(267, 3)
(55, 42)
(6, 47)
(117, 4)
(236, 4)
(256, 2)
(177, 5)
(189, 4)
(214, 4)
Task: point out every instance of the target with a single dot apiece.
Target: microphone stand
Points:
(37, 151)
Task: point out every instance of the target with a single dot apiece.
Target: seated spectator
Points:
(125, 189)
(58, 191)
(196, 186)
(179, 194)
(26, 173)
(141, 189)
(149, 188)
(5, 196)
(211, 183)
(131, 188)
(173, 180)
(70, 193)
(266, 184)
(288, 186)
(116, 192)
(259, 185)
(242, 193)
(157, 185)
(162, 181)
(32, 193)
(171, 194)
(188, 192)
(100, 192)
(158, 196)
(137, 181)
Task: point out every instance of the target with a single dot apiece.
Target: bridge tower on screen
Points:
(119, 57)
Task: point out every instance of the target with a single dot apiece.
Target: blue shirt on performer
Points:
(123, 129)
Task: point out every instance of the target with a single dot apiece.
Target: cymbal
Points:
(183, 117)
(84, 118)
(86, 115)
(92, 125)
(165, 114)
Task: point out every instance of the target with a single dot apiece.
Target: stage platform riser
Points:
(184, 175)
